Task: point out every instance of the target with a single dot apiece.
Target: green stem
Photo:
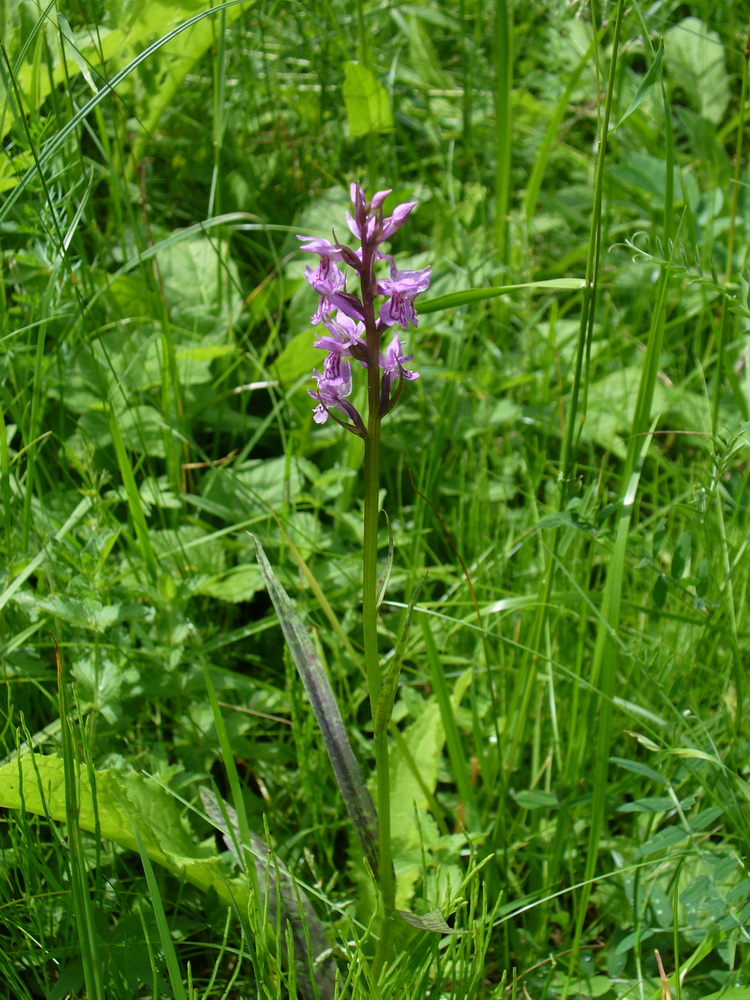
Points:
(370, 610)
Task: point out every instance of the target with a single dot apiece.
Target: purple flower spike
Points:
(401, 290)
(354, 320)
(395, 221)
(368, 219)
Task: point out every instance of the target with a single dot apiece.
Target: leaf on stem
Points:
(357, 799)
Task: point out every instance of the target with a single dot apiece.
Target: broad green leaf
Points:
(596, 986)
(298, 358)
(433, 921)
(240, 583)
(35, 783)
(695, 61)
(367, 105)
(142, 429)
(532, 799)
(648, 173)
(201, 284)
(412, 826)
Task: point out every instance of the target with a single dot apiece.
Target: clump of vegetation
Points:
(557, 753)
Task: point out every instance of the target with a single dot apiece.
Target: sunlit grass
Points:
(566, 481)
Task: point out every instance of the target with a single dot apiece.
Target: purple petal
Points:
(321, 247)
(400, 214)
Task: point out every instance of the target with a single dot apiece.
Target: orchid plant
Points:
(356, 322)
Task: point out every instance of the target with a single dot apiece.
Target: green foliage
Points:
(132, 810)
(568, 731)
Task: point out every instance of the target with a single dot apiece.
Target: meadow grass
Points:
(565, 489)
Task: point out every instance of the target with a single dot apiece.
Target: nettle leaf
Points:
(36, 784)
(103, 684)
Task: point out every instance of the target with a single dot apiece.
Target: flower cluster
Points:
(354, 330)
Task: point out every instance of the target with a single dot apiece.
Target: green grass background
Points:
(568, 479)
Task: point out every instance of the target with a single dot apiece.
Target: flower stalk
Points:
(355, 325)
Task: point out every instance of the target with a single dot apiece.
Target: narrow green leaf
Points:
(433, 921)
(649, 80)
(532, 799)
(462, 298)
(165, 934)
(357, 799)
(681, 556)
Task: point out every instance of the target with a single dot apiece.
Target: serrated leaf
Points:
(36, 784)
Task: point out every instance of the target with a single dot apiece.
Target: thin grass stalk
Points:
(82, 905)
(603, 667)
(521, 698)
(230, 769)
(456, 752)
(165, 935)
(734, 204)
(503, 54)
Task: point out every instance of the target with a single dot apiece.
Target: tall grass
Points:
(567, 481)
